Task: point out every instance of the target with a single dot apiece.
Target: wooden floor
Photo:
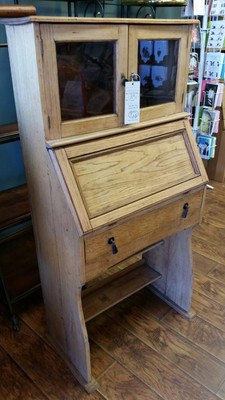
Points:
(141, 349)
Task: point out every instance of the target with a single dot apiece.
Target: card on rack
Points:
(216, 34)
(206, 121)
(193, 66)
(210, 94)
(206, 146)
(191, 98)
(214, 116)
(219, 95)
(217, 8)
(213, 65)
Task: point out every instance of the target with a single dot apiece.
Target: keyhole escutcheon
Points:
(111, 241)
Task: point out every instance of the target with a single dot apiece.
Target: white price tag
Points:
(199, 7)
(132, 102)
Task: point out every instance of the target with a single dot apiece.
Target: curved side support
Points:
(174, 261)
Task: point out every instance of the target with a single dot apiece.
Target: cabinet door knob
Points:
(185, 210)
(124, 80)
(111, 241)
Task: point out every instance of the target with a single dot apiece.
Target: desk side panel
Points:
(59, 247)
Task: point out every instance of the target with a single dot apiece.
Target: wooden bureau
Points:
(113, 205)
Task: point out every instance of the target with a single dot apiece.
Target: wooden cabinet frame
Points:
(125, 40)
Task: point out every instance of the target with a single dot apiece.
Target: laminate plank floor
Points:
(141, 349)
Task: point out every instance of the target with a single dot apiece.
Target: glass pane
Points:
(86, 81)
(157, 67)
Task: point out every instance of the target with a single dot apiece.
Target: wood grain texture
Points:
(113, 180)
(139, 233)
(53, 239)
(199, 331)
(15, 383)
(163, 376)
(53, 19)
(128, 387)
(137, 318)
(39, 362)
(137, 359)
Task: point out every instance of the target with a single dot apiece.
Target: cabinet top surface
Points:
(73, 20)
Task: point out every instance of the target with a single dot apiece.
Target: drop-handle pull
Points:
(185, 210)
(111, 241)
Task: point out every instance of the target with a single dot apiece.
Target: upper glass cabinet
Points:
(85, 66)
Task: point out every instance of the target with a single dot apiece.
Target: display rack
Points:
(207, 90)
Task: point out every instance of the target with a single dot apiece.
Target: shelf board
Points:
(14, 204)
(19, 268)
(116, 288)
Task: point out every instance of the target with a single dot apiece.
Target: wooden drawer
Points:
(139, 233)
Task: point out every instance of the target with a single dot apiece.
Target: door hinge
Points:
(42, 47)
(188, 44)
(49, 122)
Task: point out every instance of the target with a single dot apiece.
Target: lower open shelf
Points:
(116, 288)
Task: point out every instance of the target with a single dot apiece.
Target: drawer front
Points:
(122, 241)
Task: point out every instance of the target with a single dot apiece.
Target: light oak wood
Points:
(140, 166)
(110, 132)
(136, 234)
(53, 246)
(132, 185)
(52, 19)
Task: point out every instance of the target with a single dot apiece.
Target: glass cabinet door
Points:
(160, 58)
(84, 68)
(85, 79)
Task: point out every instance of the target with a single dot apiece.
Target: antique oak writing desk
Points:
(101, 191)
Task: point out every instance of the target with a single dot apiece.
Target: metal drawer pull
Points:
(112, 242)
(185, 210)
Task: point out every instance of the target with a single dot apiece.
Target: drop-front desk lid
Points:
(112, 178)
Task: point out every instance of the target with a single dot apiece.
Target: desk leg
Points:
(174, 261)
